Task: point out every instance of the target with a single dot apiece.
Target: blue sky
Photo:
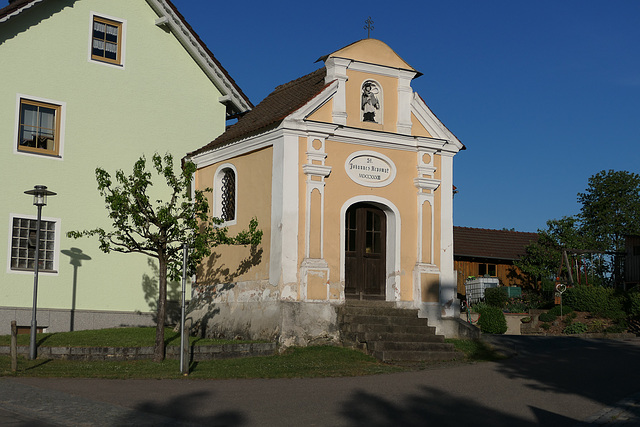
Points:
(543, 94)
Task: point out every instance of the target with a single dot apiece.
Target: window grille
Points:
(228, 195)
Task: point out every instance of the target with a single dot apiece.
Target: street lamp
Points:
(39, 194)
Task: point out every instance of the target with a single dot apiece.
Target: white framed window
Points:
(371, 104)
(22, 244)
(225, 194)
(107, 40)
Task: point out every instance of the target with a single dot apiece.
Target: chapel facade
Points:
(349, 174)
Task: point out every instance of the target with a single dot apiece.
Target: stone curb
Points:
(197, 353)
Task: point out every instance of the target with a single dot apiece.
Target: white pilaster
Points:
(337, 70)
(448, 284)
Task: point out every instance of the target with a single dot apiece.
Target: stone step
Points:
(415, 356)
(376, 346)
(393, 337)
(383, 320)
(399, 329)
(378, 311)
(391, 333)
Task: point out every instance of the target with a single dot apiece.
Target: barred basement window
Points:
(23, 244)
(228, 195)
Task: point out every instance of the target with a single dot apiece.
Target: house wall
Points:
(158, 101)
(507, 273)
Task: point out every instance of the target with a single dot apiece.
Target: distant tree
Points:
(611, 208)
(159, 229)
(543, 257)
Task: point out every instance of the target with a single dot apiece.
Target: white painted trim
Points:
(61, 131)
(217, 193)
(283, 266)
(188, 39)
(394, 235)
(123, 47)
(448, 282)
(381, 70)
(238, 148)
(433, 125)
(56, 259)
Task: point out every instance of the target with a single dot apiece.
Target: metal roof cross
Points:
(369, 27)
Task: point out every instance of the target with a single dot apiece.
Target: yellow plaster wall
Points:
(254, 200)
(401, 192)
(373, 51)
(323, 114)
(389, 101)
(417, 129)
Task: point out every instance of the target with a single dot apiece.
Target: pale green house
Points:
(89, 83)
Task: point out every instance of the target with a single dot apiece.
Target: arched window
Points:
(371, 102)
(226, 201)
(228, 195)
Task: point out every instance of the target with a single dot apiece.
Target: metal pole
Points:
(183, 338)
(34, 322)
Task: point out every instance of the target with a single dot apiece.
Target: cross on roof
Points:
(369, 27)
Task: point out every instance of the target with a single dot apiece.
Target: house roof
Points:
(494, 244)
(169, 15)
(279, 104)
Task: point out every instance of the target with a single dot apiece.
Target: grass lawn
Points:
(321, 361)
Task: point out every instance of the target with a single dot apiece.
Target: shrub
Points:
(545, 326)
(596, 326)
(495, 297)
(547, 317)
(597, 300)
(576, 328)
(492, 321)
(633, 304)
(556, 310)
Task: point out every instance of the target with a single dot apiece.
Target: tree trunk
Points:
(159, 349)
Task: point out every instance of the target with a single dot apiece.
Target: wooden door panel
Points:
(365, 247)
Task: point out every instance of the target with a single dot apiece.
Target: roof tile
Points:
(484, 243)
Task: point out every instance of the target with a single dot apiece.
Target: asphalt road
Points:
(550, 381)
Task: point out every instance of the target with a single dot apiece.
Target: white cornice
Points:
(198, 53)
(433, 124)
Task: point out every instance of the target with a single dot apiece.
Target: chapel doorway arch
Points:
(365, 252)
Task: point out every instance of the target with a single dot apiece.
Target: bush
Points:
(556, 310)
(495, 297)
(597, 300)
(633, 304)
(576, 328)
(547, 317)
(545, 326)
(492, 320)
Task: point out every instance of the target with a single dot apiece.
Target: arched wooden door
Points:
(365, 252)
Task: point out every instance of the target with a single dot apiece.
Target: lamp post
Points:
(39, 194)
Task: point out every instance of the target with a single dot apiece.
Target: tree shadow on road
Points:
(434, 407)
(184, 408)
(602, 370)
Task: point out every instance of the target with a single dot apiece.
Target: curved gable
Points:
(372, 51)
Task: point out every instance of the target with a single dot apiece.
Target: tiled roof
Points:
(484, 243)
(283, 101)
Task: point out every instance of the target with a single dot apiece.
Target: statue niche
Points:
(370, 104)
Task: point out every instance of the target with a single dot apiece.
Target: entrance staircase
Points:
(391, 334)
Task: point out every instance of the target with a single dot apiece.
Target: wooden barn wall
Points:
(632, 261)
(508, 274)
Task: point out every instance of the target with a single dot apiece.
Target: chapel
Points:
(350, 176)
